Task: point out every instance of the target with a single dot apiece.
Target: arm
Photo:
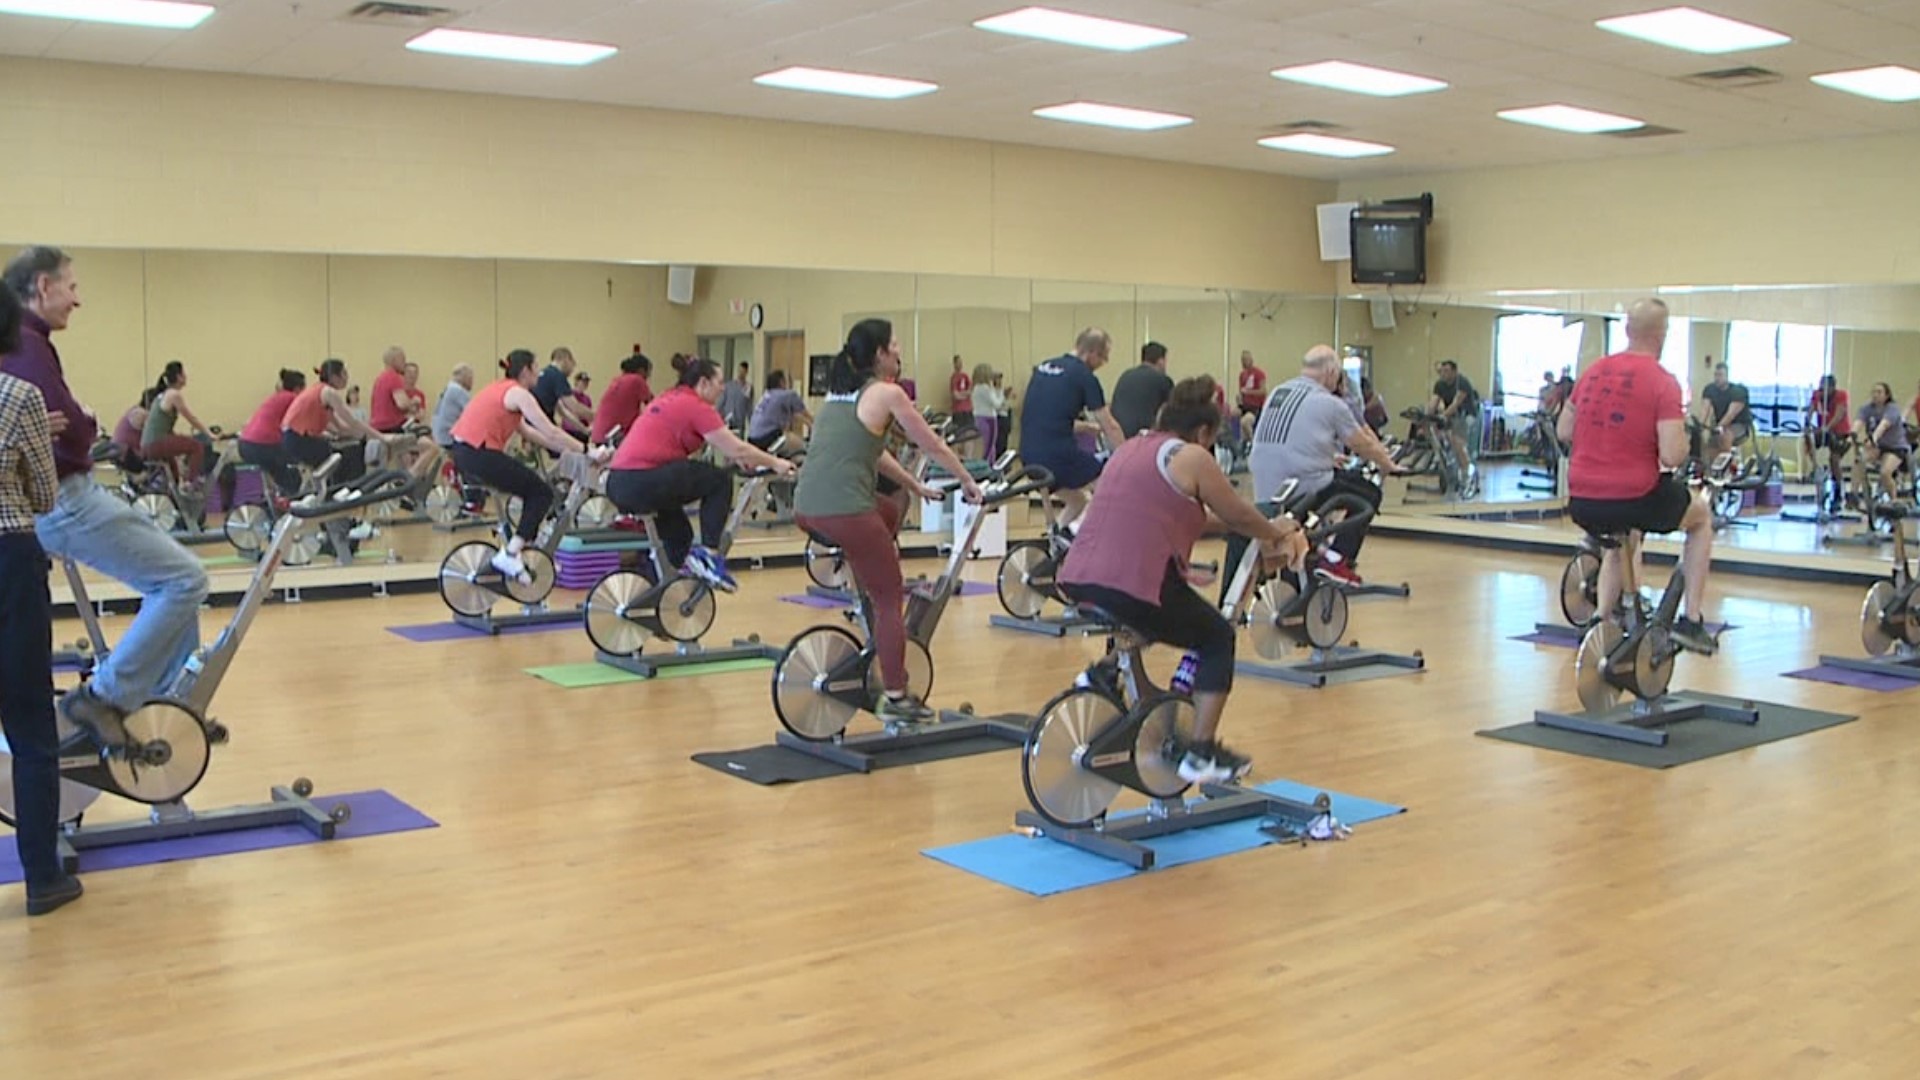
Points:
(901, 408)
(1109, 427)
(1564, 428)
(343, 421)
(35, 440)
(180, 407)
(535, 425)
(745, 454)
(1196, 466)
(890, 467)
(1735, 411)
(1673, 443)
(403, 402)
(1368, 445)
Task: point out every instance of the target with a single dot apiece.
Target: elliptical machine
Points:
(172, 735)
(625, 608)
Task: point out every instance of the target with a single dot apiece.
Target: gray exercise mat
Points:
(1687, 742)
(775, 764)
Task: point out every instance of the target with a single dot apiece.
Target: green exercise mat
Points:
(578, 676)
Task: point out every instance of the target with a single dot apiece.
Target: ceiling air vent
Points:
(1312, 125)
(1734, 78)
(403, 16)
(1646, 131)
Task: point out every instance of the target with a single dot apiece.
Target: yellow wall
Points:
(123, 157)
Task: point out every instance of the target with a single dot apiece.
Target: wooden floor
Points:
(595, 904)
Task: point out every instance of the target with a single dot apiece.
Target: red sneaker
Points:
(1338, 570)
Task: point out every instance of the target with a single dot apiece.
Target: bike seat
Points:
(1609, 538)
(821, 540)
(1892, 511)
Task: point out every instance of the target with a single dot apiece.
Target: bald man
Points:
(453, 402)
(1627, 425)
(391, 406)
(1059, 392)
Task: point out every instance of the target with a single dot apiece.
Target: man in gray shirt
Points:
(1141, 391)
(1303, 431)
(453, 402)
(736, 401)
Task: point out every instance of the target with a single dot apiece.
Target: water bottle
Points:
(1183, 673)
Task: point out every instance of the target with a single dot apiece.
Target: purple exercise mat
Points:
(1863, 680)
(820, 602)
(453, 631)
(374, 813)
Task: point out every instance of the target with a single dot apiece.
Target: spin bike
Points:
(1115, 729)
(827, 674)
(178, 509)
(1431, 452)
(626, 608)
(1287, 613)
(471, 586)
(1025, 583)
(1635, 655)
(171, 735)
(1890, 616)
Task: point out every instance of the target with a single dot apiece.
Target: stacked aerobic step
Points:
(581, 569)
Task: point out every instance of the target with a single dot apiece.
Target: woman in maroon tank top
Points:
(1130, 556)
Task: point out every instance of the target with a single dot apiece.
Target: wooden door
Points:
(788, 353)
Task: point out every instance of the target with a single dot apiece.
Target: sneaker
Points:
(1337, 569)
(710, 568)
(98, 720)
(905, 709)
(1212, 763)
(55, 896)
(1692, 634)
(509, 564)
(363, 531)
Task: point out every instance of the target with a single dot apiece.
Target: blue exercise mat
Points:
(1041, 867)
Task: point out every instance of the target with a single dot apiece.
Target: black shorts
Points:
(1658, 511)
(1903, 453)
(1072, 467)
(1827, 440)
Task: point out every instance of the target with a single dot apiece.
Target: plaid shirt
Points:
(27, 483)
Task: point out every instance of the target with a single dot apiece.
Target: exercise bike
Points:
(1025, 583)
(1543, 447)
(1890, 615)
(827, 674)
(1114, 729)
(1634, 655)
(1438, 459)
(627, 608)
(249, 527)
(172, 736)
(177, 508)
(470, 585)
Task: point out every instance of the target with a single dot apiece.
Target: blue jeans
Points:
(97, 530)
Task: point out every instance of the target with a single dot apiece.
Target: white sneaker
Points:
(363, 531)
(509, 564)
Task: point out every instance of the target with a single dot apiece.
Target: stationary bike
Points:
(828, 674)
(626, 608)
(1890, 616)
(171, 735)
(469, 583)
(249, 527)
(1634, 655)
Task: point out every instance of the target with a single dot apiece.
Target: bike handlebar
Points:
(382, 486)
(1022, 482)
(1358, 515)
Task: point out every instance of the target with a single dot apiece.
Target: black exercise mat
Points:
(1687, 741)
(775, 764)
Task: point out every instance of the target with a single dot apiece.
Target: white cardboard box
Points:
(992, 541)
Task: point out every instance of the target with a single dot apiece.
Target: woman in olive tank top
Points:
(835, 498)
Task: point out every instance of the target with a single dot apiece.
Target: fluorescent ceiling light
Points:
(1889, 83)
(1568, 118)
(530, 50)
(1359, 79)
(1085, 30)
(1325, 145)
(1115, 116)
(850, 83)
(161, 13)
(1528, 292)
(1694, 31)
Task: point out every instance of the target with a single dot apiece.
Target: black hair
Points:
(776, 379)
(27, 267)
(1450, 365)
(329, 369)
(170, 376)
(1152, 352)
(1189, 408)
(852, 368)
(1366, 387)
(637, 364)
(292, 381)
(518, 361)
(9, 321)
(697, 368)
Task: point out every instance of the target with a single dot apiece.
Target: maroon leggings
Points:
(866, 540)
(169, 448)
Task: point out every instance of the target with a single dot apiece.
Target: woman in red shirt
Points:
(260, 439)
(654, 472)
(626, 395)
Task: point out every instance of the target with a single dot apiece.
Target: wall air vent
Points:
(402, 16)
(1645, 131)
(1734, 78)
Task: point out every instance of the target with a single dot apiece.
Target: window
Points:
(1780, 364)
(1526, 348)
(1677, 357)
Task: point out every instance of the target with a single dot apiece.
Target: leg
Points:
(1073, 503)
(1612, 582)
(26, 706)
(676, 532)
(1696, 554)
(713, 486)
(503, 474)
(867, 544)
(1185, 620)
(1348, 544)
(98, 530)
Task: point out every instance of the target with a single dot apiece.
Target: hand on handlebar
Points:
(783, 467)
(600, 455)
(1290, 552)
(970, 490)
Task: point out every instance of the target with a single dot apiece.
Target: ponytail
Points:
(292, 381)
(696, 368)
(854, 365)
(330, 369)
(517, 361)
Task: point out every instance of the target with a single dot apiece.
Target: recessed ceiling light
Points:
(1325, 145)
(1115, 116)
(1889, 83)
(161, 13)
(528, 50)
(849, 83)
(1359, 79)
(1693, 30)
(1085, 30)
(1569, 118)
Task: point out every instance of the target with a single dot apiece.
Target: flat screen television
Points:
(1388, 250)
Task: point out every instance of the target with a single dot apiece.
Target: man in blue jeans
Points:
(95, 529)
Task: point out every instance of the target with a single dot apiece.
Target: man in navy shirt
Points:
(554, 389)
(1059, 391)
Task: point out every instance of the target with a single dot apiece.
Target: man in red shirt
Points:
(1829, 428)
(1627, 424)
(390, 407)
(1253, 385)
